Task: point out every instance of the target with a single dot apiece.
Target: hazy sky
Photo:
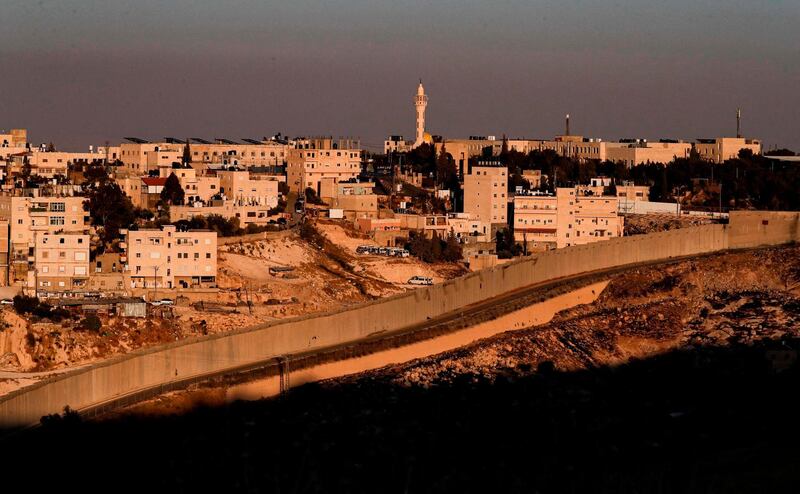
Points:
(80, 72)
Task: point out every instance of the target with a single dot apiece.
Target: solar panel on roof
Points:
(252, 141)
(200, 141)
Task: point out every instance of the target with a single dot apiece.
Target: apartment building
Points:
(312, 160)
(28, 216)
(61, 265)
(168, 258)
(596, 218)
(486, 193)
(141, 156)
(15, 138)
(640, 151)
(630, 192)
(396, 144)
(461, 150)
(200, 188)
(355, 199)
(246, 213)
(631, 152)
(725, 148)
(135, 155)
(547, 221)
(243, 188)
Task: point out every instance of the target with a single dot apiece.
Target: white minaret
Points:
(420, 102)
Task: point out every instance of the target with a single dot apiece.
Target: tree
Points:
(446, 173)
(110, 208)
(452, 251)
(172, 193)
(505, 246)
(504, 151)
(95, 173)
(187, 155)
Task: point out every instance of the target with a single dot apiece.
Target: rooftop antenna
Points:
(738, 122)
(567, 129)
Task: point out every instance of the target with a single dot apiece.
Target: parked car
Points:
(163, 301)
(6, 301)
(420, 280)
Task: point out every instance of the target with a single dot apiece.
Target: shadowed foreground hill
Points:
(706, 420)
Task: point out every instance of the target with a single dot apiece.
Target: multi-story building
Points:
(140, 156)
(461, 150)
(28, 216)
(16, 138)
(640, 151)
(168, 258)
(536, 218)
(61, 264)
(630, 192)
(246, 213)
(631, 152)
(596, 218)
(315, 159)
(200, 188)
(486, 193)
(245, 189)
(396, 144)
(546, 221)
(725, 148)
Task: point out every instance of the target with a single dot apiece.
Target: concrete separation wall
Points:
(152, 367)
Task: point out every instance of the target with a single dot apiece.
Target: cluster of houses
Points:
(46, 234)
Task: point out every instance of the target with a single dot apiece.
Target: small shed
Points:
(118, 306)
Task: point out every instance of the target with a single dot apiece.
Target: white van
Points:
(420, 280)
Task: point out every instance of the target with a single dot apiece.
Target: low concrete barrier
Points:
(160, 366)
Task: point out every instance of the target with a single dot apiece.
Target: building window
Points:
(56, 221)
